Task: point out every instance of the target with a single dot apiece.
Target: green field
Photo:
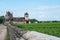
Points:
(47, 28)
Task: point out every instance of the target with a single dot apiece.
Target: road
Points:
(3, 32)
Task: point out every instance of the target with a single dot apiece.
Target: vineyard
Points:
(47, 28)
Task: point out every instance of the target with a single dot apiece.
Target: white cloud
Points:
(46, 7)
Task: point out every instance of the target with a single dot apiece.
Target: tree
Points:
(2, 19)
(33, 20)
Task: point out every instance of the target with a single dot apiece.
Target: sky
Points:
(42, 10)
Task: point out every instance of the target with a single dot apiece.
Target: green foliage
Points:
(2, 19)
(8, 36)
(47, 28)
(33, 20)
(48, 21)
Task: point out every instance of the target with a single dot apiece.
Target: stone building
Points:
(25, 19)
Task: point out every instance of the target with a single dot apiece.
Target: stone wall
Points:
(16, 33)
(19, 34)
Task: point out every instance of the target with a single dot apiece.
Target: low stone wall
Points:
(19, 34)
(16, 33)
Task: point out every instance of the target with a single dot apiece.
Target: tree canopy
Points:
(2, 19)
(33, 20)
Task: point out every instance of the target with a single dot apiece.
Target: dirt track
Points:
(3, 32)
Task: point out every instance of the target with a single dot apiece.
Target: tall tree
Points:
(2, 19)
(33, 20)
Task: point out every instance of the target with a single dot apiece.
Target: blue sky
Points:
(43, 10)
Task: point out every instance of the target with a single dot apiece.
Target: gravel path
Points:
(33, 35)
(3, 32)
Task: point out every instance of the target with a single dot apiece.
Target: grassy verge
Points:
(8, 36)
(47, 28)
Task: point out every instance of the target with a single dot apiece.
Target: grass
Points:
(47, 28)
(8, 36)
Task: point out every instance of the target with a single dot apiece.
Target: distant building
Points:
(25, 19)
